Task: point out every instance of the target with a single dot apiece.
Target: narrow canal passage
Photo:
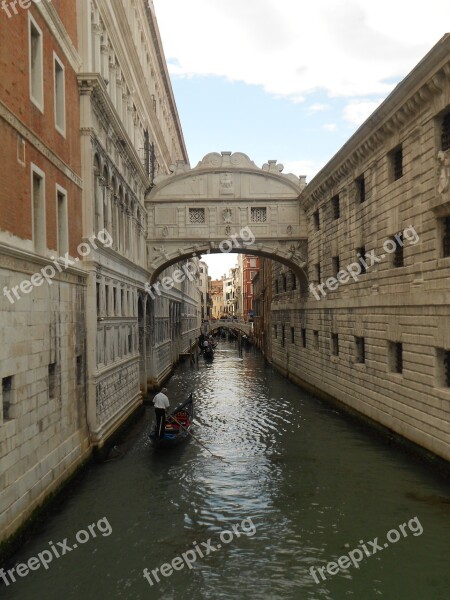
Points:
(301, 484)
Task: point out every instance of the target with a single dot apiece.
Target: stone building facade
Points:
(43, 428)
(373, 328)
(130, 133)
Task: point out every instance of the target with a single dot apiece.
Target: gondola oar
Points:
(196, 439)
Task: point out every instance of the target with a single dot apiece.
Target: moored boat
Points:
(178, 425)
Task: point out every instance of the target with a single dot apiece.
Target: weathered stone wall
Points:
(390, 304)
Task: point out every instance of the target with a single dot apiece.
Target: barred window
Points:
(446, 237)
(445, 132)
(258, 215)
(316, 339)
(396, 357)
(335, 344)
(397, 163)
(398, 257)
(283, 338)
(292, 335)
(316, 220)
(336, 265)
(360, 350)
(303, 337)
(336, 205)
(362, 254)
(197, 215)
(361, 189)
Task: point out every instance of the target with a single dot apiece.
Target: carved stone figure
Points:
(227, 215)
(443, 171)
(226, 184)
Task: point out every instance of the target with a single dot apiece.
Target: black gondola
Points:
(208, 352)
(174, 432)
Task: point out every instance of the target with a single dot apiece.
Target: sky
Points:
(286, 79)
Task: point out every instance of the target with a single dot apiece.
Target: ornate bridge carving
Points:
(226, 204)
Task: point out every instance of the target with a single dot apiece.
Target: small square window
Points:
(7, 397)
(360, 350)
(316, 220)
(335, 344)
(258, 215)
(335, 203)
(396, 163)
(52, 380)
(395, 357)
(197, 216)
(360, 189)
(336, 265)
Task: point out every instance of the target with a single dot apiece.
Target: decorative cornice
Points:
(33, 139)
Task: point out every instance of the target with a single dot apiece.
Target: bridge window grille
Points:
(303, 337)
(446, 237)
(336, 205)
(335, 344)
(360, 349)
(258, 215)
(445, 133)
(197, 216)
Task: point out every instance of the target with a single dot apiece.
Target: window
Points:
(443, 367)
(335, 203)
(360, 350)
(292, 335)
(395, 357)
(335, 344)
(130, 342)
(108, 300)
(445, 132)
(258, 215)
(316, 339)
(253, 263)
(361, 252)
(36, 65)
(294, 281)
(79, 369)
(51, 380)
(60, 95)
(398, 257)
(197, 216)
(283, 338)
(38, 195)
(446, 237)
(360, 189)
(336, 265)
(396, 163)
(316, 220)
(317, 272)
(7, 397)
(276, 286)
(284, 280)
(63, 232)
(303, 337)
(275, 331)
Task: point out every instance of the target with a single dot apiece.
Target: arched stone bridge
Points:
(226, 204)
(243, 326)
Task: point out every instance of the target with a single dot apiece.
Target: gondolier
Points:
(161, 404)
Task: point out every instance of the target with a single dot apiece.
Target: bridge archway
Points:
(226, 203)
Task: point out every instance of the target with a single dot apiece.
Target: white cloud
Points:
(302, 167)
(351, 49)
(357, 111)
(318, 107)
(330, 126)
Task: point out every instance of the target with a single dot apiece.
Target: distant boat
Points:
(208, 352)
(173, 432)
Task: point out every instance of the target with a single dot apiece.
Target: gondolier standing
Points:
(161, 404)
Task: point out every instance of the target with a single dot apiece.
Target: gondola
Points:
(208, 352)
(173, 433)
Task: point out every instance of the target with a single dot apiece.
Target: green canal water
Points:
(297, 486)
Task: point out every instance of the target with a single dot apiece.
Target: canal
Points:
(293, 484)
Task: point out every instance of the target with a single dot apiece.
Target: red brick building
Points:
(43, 430)
(250, 266)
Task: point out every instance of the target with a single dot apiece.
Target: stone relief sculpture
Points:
(227, 215)
(443, 171)
(226, 184)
